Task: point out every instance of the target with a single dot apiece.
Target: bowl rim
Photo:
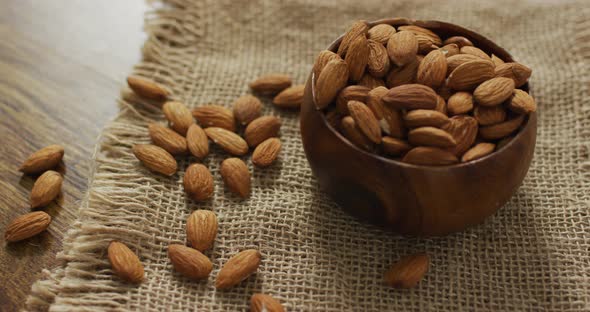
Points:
(470, 34)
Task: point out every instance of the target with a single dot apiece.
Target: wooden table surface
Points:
(62, 64)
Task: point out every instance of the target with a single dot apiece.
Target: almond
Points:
(408, 271)
(374, 101)
(402, 47)
(381, 33)
(464, 131)
(460, 41)
(155, 158)
(265, 303)
(350, 93)
(365, 120)
(201, 229)
(431, 136)
(227, 140)
(450, 50)
(27, 225)
(392, 123)
(178, 115)
(425, 118)
(236, 176)
(167, 139)
(516, 71)
(425, 44)
(429, 156)
(291, 97)
(270, 84)
(125, 263)
(197, 142)
(468, 75)
(331, 80)
(402, 75)
(489, 115)
(502, 129)
(411, 96)
(460, 103)
(354, 135)
(496, 60)
(261, 129)
(215, 116)
(475, 52)
(43, 159)
(245, 109)
(378, 62)
(432, 70)
(238, 268)
(478, 151)
(147, 88)
(494, 91)
(357, 58)
(417, 30)
(394, 147)
(441, 104)
(322, 59)
(456, 60)
(521, 102)
(266, 152)
(198, 182)
(46, 189)
(371, 81)
(189, 262)
(357, 29)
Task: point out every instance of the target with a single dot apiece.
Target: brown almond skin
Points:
(147, 88)
(381, 33)
(469, 75)
(429, 156)
(411, 96)
(441, 104)
(271, 83)
(189, 262)
(46, 189)
(432, 70)
(290, 98)
(247, 108)
(371, 81)
(402, 75)
(215, 116)
(266, 152)
(378, 63)
(265, 303)
(167, 139)
(502, 129)
(522, 103)
(354, 135)
(357, 29)
(394, 147)
(460, 103)
(365, 120)
(392, 123)
(425, 118)
(417, 30)
(125, 263)
(357, 58)
(489, 115)
(497, 61)
(330, 81)
(450, 50)
(431, 136)
(374, 101)
(494, 91)
(227, 140)
(408, 271)
(197, 141)
(261, 129)
(459, 41)
(478, 151)
(516, 71)
(236, 176)
(155, 159)
(27, 225)
(458, 59)
(178, 115)
(201, 229)
(475, 52)
(350, 93)
(43, 159)
(238, 268)
(321, 60)
(402, 47)
(464, 130)
(198, 182)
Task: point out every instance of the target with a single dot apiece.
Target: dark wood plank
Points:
(62, 64)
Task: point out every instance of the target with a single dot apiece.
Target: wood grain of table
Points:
(62, 64)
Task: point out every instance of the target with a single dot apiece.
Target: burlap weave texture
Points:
(533, 255)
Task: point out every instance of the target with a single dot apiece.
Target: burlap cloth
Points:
(533, 255)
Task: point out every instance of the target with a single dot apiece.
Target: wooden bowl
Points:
(411, 199)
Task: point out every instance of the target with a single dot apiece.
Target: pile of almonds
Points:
(409, 95)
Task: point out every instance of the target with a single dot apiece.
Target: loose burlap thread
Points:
(533, 255)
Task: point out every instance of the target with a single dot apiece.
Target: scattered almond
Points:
(201, 229)
(227, 140)
(478, 151)
(155, 158)
(46, 189)
(494, 91)
(432, 70)
(27, 225)
(261, 129)
(198, 182)
(245, 109)
(378, 62)
(238, 268)
(197, 142)
(291, 97)
(402, 47)
(408, 271)
(425, 118)
(489, 115)
(236, 176)
(167, 139)
(331, 80)
(189, 262)
(502, 129)
(271, 84)
(522, 103)
(365, 120)
(411, 96)
(215, 116)
(43, 159)
(381, 33)
(265, 303)
(178, 115)
(125, 263)
(460, 103)
(266, 152)
(147, 88)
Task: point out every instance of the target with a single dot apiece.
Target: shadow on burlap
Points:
(534, 254)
